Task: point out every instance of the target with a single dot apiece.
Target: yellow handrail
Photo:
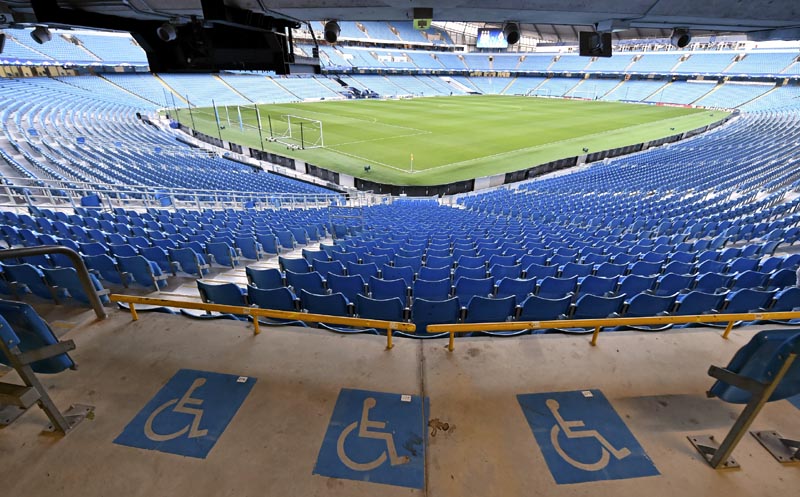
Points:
(257, 312)
(597, 324)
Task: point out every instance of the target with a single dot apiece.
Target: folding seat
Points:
(361, 251)
(313, 282)
(646, 305)
(677, 267)
(431, 290)
(643, 268)
(300, 235)
(597, 285)
(729, 254)
(519, 288)
(345, 257)
(540, 272)
(189, 261)
(433, 273)
(505, 260)
(594, 307)
(11, 235)
(29, 346)
(624, 259)
(142, 271)
(328, 267)
(264, 278)
(248, 247)
(610, 270)
(160, 257)
(749, 279)
(222, 254)
(29, 238)
(138, 241)
(672, 283)
(741, 265)
(411, 252)
(680, 256)
(363, 270)
(465, 288)
(536, 308)
(294, 265)
(222, 293)
(439, 262)
(782, 278)
(427, 312)
(556, 288)
(405, 273)
(786, 300)
(707, 255)
(713, 282)
(559, 259)
(286, 239)
(334, 304)
(539, 259)
(384, 289)
(770, 264)
(269, 243)
(492, 310)
(386, 309)
(488, 252)
(744, 300)
(654, 257)
(413, 262)
(471, 262)
(574, 269)
(632, 284)
(27, 278)
(595, 259)
(349, 286)
(437, 252)
(389, 252)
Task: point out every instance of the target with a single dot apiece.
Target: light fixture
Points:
(332, 31)
(511, 32)
(680, 37)
(41, 34)
(167, 32)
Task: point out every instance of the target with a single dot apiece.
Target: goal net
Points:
(296, 131)
(533, 92)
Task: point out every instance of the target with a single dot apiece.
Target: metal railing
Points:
(599, 324)
(257, 312)
(83, 273)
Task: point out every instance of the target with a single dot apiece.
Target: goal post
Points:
(296, 131)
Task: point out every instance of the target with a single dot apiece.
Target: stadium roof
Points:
(550, 19)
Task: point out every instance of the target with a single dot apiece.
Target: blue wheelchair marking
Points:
(582, 438)
(188, 415)
(375, 437)
(795, 401)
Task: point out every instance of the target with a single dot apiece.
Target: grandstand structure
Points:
(173, 223)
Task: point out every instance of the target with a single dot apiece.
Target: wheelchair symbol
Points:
(568, 426)
(181, 408)
(364, 432)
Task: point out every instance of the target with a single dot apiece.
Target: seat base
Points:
(9, 414)
(782, 449)
(707, 446)
(74, 415)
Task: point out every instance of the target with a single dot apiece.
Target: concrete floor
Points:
(655, 382)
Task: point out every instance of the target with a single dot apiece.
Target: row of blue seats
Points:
(480, 309)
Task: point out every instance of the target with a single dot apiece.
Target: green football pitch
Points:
(437, 140)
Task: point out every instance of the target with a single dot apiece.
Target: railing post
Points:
(83, 273)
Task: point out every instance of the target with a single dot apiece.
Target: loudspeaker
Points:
(332, 31)
(592, 44)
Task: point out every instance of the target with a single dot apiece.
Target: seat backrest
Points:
(518, 287)
(597, 285)
(390, 309)
(645, 304)
(279, 299)
(350, 286)
(385, 289)
(697, 302)
(326, 268)
(20, 325)
(595, 306)
(221, 293)
(634, 283)
(67, 278)
(556, 288)
(431, 290)
(786, 300)
(465, 288)
(363, 270)
(312, 282)
(536, 308)
(334, 304)
(433, 273)
(295, 265)
(405, 273)
(490, 310)
(760, 359)
(426, 312)
(746, 300)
